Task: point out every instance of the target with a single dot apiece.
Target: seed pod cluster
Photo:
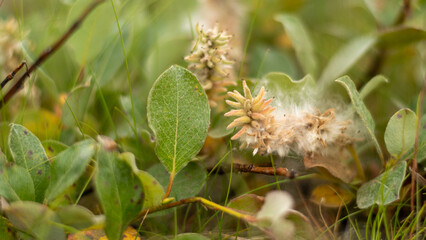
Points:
(208, 61)
(303, 131)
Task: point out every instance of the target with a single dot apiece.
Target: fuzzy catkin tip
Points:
(304, 131)
(209, 62)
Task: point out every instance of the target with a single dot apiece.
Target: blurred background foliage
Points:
(90, 69)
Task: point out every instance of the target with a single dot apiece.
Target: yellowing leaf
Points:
(331, 196)
(42, 123)
(99, 234)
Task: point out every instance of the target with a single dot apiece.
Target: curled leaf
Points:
(332, 164)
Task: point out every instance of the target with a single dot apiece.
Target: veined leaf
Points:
(68, 166)
(120, 192)
(383, 189)
(361, 109)
(28, 153)
(179, 115)
(400, 132)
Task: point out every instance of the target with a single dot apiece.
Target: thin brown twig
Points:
(327, 228)
(169, 187)
(48, 52)
(144, 217)
(12, 74)
(336, 224)
(254, 169)
(403, 13)
(250, 168)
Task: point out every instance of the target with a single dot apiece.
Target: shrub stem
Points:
(203, 201)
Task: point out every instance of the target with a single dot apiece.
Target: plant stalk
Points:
(357, 161)
(169, 187)
(205, 202)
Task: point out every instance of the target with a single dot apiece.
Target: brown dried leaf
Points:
(332, 164)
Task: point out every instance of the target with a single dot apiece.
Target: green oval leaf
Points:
(27, 151)
(35, 219)
(361, 109)
(76, 216)
(383, 189)
(346, 57)
(179, 115)
(153, 190)
(400, 132)
(120, 192)
(68, 166)
(15, 182)
(301, 41)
